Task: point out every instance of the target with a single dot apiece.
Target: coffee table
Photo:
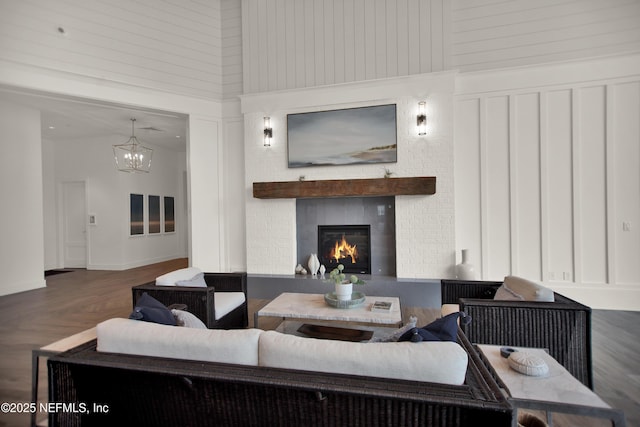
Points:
(291, 305)
(558, 391)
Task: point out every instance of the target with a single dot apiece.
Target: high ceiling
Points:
(71, 119)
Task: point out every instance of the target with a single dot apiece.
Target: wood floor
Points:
(78, 300)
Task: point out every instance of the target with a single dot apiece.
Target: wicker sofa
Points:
(562, 326)
(202, 301)
(160, 391)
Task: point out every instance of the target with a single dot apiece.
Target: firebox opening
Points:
(349, 245)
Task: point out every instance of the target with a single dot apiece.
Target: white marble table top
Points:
(556, 386)
(313, 306)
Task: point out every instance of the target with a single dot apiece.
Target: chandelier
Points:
(132, 156)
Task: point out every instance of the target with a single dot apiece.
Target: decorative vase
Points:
(465, 270)
(313, 264)
(344, 291)
(322, 270)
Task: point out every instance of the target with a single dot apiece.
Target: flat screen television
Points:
(342, 137)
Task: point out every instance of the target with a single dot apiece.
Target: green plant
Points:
(338, 277)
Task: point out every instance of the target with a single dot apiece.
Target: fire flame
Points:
(343, 249)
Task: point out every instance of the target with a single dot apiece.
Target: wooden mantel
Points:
(423, 185)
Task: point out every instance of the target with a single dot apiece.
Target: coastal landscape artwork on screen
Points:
(342, 137)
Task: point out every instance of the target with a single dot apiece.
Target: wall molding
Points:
(578, 73)
(361, 93)
(585, 114)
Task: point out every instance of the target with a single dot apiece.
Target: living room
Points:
(531, 114)
(571, 227)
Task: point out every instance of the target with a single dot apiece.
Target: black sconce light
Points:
(268, 132)
(422, 118)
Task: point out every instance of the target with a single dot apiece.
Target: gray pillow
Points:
(393, 337)
(188, 320)
(505, 294)
(196, 281)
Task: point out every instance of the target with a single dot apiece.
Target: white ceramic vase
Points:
(313, 264)
(344, 291)
(465, 270)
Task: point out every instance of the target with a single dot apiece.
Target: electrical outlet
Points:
(566, 275)
(626, 226)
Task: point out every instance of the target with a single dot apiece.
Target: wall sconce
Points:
(268, 132)
(422, 118)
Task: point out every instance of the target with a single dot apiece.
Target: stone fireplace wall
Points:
(424, 224)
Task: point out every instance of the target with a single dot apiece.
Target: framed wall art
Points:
(154, 214)
(169, 215)
(342, 137)
(136, 214)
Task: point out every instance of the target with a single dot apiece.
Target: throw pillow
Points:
(442, 329)
(170, 279)
(150, 309)
(530, 291)
(196, 281)
(188, 320)
(505, 294)
(395, 336)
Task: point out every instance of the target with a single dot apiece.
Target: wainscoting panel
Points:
(548, 180)
(496, 203)
(525, 189)
(559, 186)
(591, 196)
(626, 176)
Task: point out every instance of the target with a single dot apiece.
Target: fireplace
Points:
(349, 245)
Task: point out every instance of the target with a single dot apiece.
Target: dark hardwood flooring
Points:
(78, 300)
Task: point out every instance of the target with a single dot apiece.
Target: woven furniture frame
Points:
(201, 301)
(563, 326)
(143, 390)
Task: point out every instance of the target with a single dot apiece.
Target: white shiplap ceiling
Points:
(64, 119)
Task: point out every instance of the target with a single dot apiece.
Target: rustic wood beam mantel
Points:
(423, 185)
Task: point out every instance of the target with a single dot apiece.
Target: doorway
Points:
(74, 224)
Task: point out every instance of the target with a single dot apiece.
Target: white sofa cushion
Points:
(151, 339)
(172, 277)
(225, 302)
(528, 290)
(439, 362)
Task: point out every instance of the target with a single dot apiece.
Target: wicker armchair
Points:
(563, 326)
(201, 301)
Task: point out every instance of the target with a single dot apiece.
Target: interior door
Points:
(74, 224)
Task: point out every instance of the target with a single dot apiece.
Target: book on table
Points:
(381, 306)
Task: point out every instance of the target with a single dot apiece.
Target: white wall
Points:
(21, 226)
(304, 43)
(547, 176)
(231, 15)
(50, 219)
(424, 224)
(488, 34)
(167, 46)
(233, 198)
